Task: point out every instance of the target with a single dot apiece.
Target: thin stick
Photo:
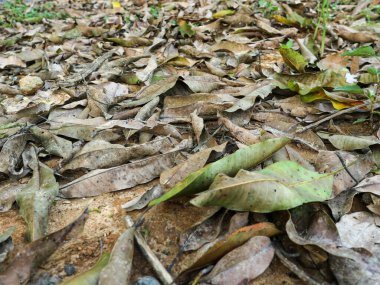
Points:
(295, 269)
(160, 270)
(341, 112)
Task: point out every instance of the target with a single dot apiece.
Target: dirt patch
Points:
(162, 227)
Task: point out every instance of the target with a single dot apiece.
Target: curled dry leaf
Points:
(141, 201)
(36, 197)
(194, 162)
(360, 229)
(8, 193)
(52, 143)
(215, 250)
(202, 233)
(148, 93)
(353, 168)
(118, 178)
(118, 269)
(11, 153)
(244, 263)
(101, 154)
(6, 244)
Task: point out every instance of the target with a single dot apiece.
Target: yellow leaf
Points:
(116, 4)
(223, 13)
(283, 20)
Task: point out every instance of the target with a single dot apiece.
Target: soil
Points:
(162, 226)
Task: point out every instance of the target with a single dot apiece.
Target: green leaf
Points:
(280, 186)
(7, 234)
(373, 71)
(355, 89)
(360, 120)
(293, 58)
(289, 44)
(368, 78)
(244, 158)
(365, 51)
(91, 276)
(310, 82)
(37, 196)
(185, 29)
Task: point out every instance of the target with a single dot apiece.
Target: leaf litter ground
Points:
(248, 105)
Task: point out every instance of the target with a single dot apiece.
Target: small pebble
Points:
(46, 279)
(30, 84)
(147, 280)
(69, 269)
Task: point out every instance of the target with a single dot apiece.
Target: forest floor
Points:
(102, 102)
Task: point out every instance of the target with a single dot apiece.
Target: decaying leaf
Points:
(353, 168)
(11, 153)
(8, 193)
(243, 263)
(229, 103)
(359, 229)
(216, 250)
(52, 143)
(194, 162)
(117, 178)
(101, 154)
(36, 198)
(205, 232)
(141, 201)
(118, 269)
(6, 244)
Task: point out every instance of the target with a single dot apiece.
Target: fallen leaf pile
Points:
(228, 136)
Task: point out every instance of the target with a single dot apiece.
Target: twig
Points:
(295, 269)
(341, 112)
(160, 270)
(346, 168)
